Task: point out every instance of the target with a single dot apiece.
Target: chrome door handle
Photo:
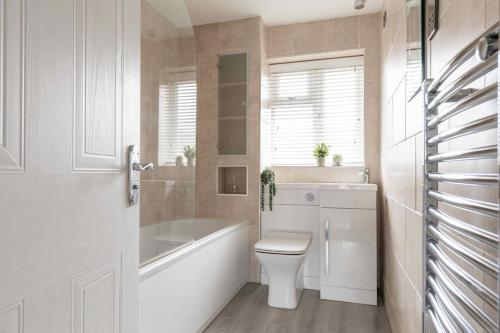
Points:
(142, 167)
(134, 165)
(327, 237)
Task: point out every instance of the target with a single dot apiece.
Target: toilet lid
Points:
(284, 243)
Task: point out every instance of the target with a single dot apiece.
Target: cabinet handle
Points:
(327, 237)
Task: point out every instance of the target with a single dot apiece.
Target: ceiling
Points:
(184, 13)
(173, 10)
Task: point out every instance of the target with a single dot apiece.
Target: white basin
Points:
(330, 186)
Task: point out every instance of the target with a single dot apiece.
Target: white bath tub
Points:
(185, 289)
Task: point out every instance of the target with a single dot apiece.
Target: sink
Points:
(348, 187)
(330, 186)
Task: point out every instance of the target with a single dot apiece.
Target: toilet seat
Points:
(284, 243)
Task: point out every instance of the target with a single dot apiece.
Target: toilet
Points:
(282, 254)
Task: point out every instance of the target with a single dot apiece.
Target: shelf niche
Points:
(232, 97)
(232, 180)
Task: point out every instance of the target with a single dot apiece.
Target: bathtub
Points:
(190, 270)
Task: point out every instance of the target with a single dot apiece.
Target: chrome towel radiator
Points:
(461, 212)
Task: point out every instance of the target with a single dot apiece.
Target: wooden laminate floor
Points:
(248, 312)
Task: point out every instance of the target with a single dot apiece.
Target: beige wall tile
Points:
(413, 248)
(386, 126)
(419, 171)
(406, 153)
(327, 36)
(357, 32)
(414, 116)
(350, 32)
(492, 11)
(370, 28)
(460, 23)
(399, 113)
(240, 35)
(207, 38)
(372, 117)
(161, 49)
(394, 228)
(280, 41)
(228, 37)
(207, 91)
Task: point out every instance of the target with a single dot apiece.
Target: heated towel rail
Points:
(461, 211)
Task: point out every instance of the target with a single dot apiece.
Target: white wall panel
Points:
(96, 299)
(98, 85)
(12, 54)
(11, 319)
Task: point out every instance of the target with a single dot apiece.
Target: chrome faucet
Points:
(366, 175)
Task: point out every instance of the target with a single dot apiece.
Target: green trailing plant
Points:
(267, 178)
(321, 150)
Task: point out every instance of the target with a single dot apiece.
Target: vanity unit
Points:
(342, 260)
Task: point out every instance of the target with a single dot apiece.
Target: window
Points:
(177, 115)
(317, 101)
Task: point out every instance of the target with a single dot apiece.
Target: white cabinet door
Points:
(69, 109)
(348, 254)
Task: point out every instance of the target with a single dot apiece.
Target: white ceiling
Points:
(185, 13)
(173, 10)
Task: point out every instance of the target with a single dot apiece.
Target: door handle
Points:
(327, 239)
(142, 167)
(134, 167)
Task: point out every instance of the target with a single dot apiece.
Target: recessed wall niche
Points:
(232, 97)
(232, 180)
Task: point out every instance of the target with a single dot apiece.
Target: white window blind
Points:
(177, 115)
(317, 101)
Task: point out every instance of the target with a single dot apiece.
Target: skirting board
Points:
(348, 295)
(303, 282)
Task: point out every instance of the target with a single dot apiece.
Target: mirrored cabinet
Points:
(232, 115)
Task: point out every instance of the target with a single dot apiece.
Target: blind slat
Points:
(313, 102)
(177, 117)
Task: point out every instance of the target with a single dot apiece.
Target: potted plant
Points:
(189, 153)
(320, 152)
(337, 160)
(179, 161)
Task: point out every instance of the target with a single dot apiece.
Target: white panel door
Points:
(69, 108)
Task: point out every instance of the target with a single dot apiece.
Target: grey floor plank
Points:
(248, 312)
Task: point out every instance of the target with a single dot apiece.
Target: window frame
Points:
(315, 102)
(174, 77)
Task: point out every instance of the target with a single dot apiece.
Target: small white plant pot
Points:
(190, 161)
(337, 161)
(321, 161)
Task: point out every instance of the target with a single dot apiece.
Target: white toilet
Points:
(282, 254)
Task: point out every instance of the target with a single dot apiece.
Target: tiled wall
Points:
(336, 37)
(402, 148)
(311, 39)
(211, 40)
(168, 192)
(402, 160)
(361, 33)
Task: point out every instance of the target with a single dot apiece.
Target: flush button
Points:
(310, 197)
